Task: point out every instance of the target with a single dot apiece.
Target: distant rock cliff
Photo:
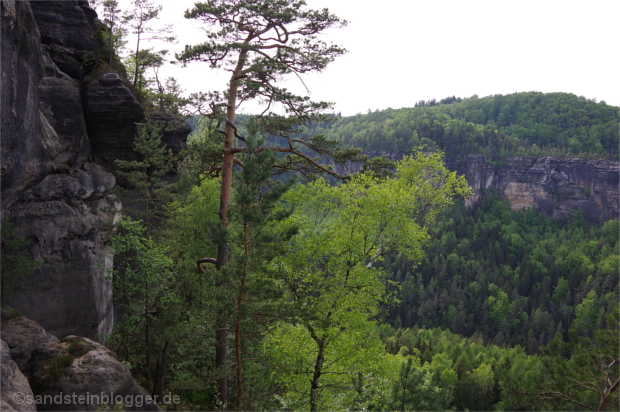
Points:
(66, 117)
(555, 187)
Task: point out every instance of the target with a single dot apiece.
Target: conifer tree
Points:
(147, 174)
(261, 43)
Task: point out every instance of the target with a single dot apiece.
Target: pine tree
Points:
(147, 175)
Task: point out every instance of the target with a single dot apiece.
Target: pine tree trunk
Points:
(222, 249)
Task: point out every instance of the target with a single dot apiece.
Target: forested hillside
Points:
(523, 124)
(510, 277)
(241, 268)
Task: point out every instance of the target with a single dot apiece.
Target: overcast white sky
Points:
(403, 51)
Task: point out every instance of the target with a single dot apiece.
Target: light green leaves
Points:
(329, 274)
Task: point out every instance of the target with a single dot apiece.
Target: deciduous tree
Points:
(344, 231)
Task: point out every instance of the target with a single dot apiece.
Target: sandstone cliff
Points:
(556, 187)
(66, 116)
(553, 186)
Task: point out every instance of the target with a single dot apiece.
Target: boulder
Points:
(15, 391)
(25, 337)
(72, 374)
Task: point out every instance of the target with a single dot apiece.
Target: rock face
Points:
(556, 187)
(66, 116)
(72, 374)
(24, 155)
(67, 218)
(109, 108)
(67, 34)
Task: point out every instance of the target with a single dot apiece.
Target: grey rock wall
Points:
(66, 116)
(68, 218)
(58, 202)
(25, 159)
(556, 187)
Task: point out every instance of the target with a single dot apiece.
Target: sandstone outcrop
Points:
(110, 107)
(67, 34)
(72, 374)
(66, 116)
(24, 338)
(67, 218)
(556, 187)
(553, 186)
(24, 155)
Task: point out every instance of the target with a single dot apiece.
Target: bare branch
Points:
(199, 262)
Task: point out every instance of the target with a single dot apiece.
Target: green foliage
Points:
(138, 20)
(56, 366)
(147, 174)
(583, 373)
(142, 281)
(117, 407)
(448, 371)
(329, 274)
(523, 124)
(15, 263)
(561, 291)
(418, 389)
(114, 37)
(586, 314)
(9, 313)
(516, 277)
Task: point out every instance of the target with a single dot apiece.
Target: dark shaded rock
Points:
(24, 337)
(175, 132)
(61, 104)
(16, 394)
(67, 218)
(25, 160)
(66, 29)
(111, 112)
(74, 366)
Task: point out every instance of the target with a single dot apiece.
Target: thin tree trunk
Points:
(318, 368)
(238, 352)
(238, 358)
(221, 355)
(147, 337)
(135, 75)
(111, 44)
(160, 376)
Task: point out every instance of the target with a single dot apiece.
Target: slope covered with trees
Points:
(510, 277)
(524, 124)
